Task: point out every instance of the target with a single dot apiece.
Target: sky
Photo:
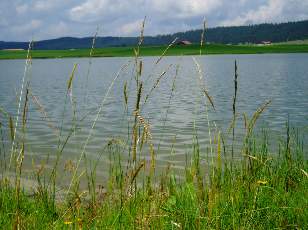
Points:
(24, 20)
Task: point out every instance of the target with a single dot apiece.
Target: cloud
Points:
(272, 11)
(186, 8)
(21, 9)
(94, 10)
(32, 25)
(43, 5)
(57, 30)
(130, 28)
(22, 19)
(3, 22)
(49, 5)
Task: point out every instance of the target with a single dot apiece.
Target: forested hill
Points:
(282, 32)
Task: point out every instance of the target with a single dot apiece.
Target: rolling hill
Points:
(282, 32)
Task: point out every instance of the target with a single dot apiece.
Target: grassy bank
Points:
(263, 191)
(157, 50)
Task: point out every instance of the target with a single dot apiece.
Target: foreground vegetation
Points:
(261, 189)
(157, 50)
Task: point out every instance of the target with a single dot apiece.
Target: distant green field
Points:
(296, 42)
(158, 50)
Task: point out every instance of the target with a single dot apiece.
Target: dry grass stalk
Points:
(93, 43)
(11, 125)
(157, 83)
(135, 128)
(245, 121)
(209, 98)
(90, 63)
(60, 149)
(139, 69)
(70, 92)
(145, 125)
(165, 51)
(24, 121)
(232, 124)
(136, 171)
(202, 83)
(153, 160)
(19, 160)
(202, 86)
(26, 69)
(251, 124)
(141, 38)
(147, 137)
(256, 115)
(169, 103)
(202, 41)
(219, 151)
(234, 106)
(125, 94)
(94, 124)
(70, 80)
(44, 113)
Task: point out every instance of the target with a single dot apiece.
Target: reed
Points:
(25, 79)
(89, 65)
(202, 40)
(172, 91)
(234, 106)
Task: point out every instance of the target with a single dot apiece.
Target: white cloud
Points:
(30, 26)
(20, 19)
(57, 29)
(272, 11)
(186, 8)
(130, 28)
(95, 10)
(3, 22)
(46, 5)
(21, 9)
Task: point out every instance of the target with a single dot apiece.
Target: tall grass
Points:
(264, 190)
(234, 105)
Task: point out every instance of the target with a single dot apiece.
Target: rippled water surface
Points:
(281, 78)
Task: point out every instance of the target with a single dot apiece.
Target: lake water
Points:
(281, 78)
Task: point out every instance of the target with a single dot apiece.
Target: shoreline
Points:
(190, 50)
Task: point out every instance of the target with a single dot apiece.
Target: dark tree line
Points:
(281, 32)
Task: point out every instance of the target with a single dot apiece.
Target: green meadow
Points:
(157, 50)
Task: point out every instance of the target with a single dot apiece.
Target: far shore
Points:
(177, 50)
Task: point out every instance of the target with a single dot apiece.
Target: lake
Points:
(174, 115)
